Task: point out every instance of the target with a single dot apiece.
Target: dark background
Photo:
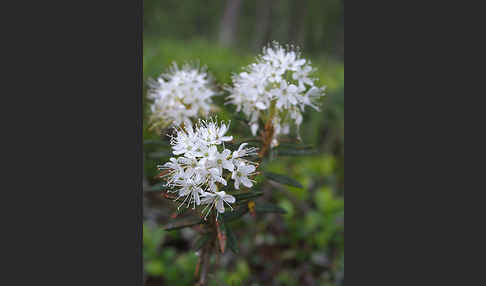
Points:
(72, 186)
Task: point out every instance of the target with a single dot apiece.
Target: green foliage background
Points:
(304, 246)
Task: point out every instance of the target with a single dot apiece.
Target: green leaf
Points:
(160, 187)
(159, 155)
(269, 208)
(239, 117)
(247, 195)
(231, 239)
(282, 179)
(295, 146)
(201, 241)
(295, 152)
(182, 223)
(236, 214)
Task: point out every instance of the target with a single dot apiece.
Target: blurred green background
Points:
(306, 245)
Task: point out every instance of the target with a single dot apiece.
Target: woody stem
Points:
(267, 136)
(204, 260)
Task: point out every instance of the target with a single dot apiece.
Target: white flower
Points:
(191, 191)
(302, 76)
(203, 164)
(179, 95)
(217, 199)
(175, 170)
(279, 80)
(244, 152)
(216, 177)
(185, 142)
(240, 176)
(286, 95)
(215, 134)
(221, 160)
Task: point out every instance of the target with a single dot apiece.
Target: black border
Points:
(139, 137)
(74, 166)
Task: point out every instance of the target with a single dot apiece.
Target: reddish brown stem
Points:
(203, 265)
(202, 268)
(221, 236)
(267, 136)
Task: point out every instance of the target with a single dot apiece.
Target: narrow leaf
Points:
(201, 241)
(269, 208)
(282, 179)
(241, 118)
(231, 239)
(295, 152)
(295, 146)
(182, 223)
(247, 195)
(156, 188)
(159, 155)
(236, 214)
(156, 142)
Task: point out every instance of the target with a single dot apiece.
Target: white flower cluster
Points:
(180, 94)
(277, 87)
(203, 164)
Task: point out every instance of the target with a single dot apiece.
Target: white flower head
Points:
(179, 95)
(202, 164)
(278, 84)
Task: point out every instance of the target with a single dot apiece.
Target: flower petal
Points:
(246, 182)
(220, 206)
(228, 165)
(254, 129)
(197, 198)
(229, 198)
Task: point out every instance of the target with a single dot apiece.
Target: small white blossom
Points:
(278, 84)
(203, 164)
(191, 191)
(244, 152)
(217, 199)
(215, 134)
(240, 176)
(221, 160)
(179, 95)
